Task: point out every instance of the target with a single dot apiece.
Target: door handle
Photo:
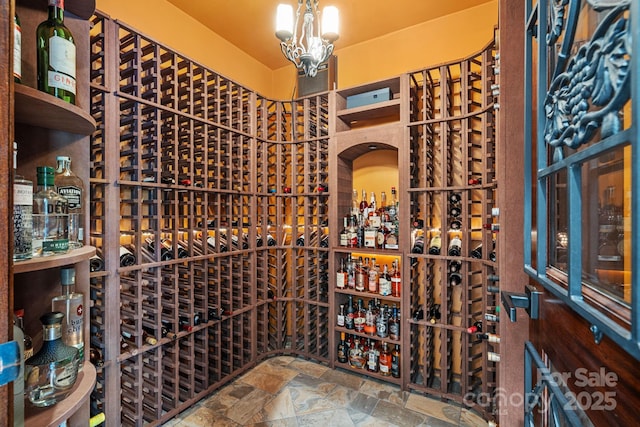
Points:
(529, 300)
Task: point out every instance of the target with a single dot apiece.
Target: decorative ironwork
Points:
(587, 97)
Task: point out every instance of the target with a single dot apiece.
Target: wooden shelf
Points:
(56, 414)
(43, 263)
(36, 108)
(371, 112)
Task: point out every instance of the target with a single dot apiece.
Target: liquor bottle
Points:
(394, 324)
(382, 323)
(351, 314)
(455, 279)
(360, 276)
(396, 280)
(395, 361)
(355, 205)
(434, 314)
(343, 350)
(71, 304)
(381, 235)
(435, 244)
(28, 342)
(70, 186)
(340, 322)
(17, 49)
(356, 358)
(361, 226)
(351, 272)
(373, 356)
(344, 234)
(370, 236)
(56, 52)
(359, 317)
(374, 276)
(341, 276)
(363, 203)
(385, 360)
(370, 320)
(352, 233)
(50, 216)
(47, 389)
(22, 212)
(455, 246)
(384, 282)
(127, 256)
(393, 206)
(373, 207)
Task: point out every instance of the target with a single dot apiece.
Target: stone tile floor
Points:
(290, 392)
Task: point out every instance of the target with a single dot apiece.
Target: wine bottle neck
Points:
(56, 10)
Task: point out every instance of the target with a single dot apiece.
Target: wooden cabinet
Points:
(46, 127)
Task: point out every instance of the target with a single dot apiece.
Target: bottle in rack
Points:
(341, 276)
(395, 361)
(50, 216)
(396, 280)
(70, 186)
(71, 304)
(359, 318)
(22, 212)
(17, 49)
(56, 54)
(394, 324)
(435, 244)
(384, 281)
(127, 256)
(455, 245)
(349, 320)
(385, 360)
(363, 203)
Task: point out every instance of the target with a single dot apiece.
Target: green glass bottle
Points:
(56, 52)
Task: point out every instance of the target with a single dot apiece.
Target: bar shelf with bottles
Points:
(452, 194)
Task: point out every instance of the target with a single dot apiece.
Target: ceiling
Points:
(250, 24)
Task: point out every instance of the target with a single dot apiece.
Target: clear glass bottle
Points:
(71, 187)
(50, 216)
(71, 304)
(56, 54)
(51, 373)
(22, 212)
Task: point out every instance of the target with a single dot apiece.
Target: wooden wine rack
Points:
(237, 183)
(453, 150)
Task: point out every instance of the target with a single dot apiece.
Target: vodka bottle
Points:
(71, 304)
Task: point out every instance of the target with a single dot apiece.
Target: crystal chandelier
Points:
(301, 44)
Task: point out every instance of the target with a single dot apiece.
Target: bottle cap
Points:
(68, 276)
(45, 175)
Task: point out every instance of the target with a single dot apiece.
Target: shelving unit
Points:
(46, 127)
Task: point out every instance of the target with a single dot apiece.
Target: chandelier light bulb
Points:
(307, 47)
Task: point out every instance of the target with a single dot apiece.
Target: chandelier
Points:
(301, 44)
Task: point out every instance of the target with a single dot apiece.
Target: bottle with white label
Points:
(71, 304)
(56, 54)
(22, 213)
(71, 187)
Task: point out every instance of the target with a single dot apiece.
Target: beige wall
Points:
(432, 42)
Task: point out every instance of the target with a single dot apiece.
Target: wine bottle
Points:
(455, 198)
(435, 244)
(434, 314)
(71, 187)
(492, 338)
(476, 327)
(96, 262)
(455, 266)
(17, 49)
(56, 55)
(344, 234)
(22, 213)
(127, 256)
(455, 279)
(95, 357)
(418, 245)
(454, 211)
(351, 314)
(418, 314)
(455, 246)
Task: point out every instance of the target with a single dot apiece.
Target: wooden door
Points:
(581, 213)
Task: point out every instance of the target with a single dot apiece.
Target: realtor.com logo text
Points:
(597, 392)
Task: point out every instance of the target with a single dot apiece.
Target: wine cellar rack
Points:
(211, 207)
(452, 161)
(209, 210)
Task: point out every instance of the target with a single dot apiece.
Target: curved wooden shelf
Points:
(36, 108)
(42, 263)
(81, 8)
(56, 414)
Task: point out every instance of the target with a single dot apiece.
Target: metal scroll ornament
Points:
(588, 96)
